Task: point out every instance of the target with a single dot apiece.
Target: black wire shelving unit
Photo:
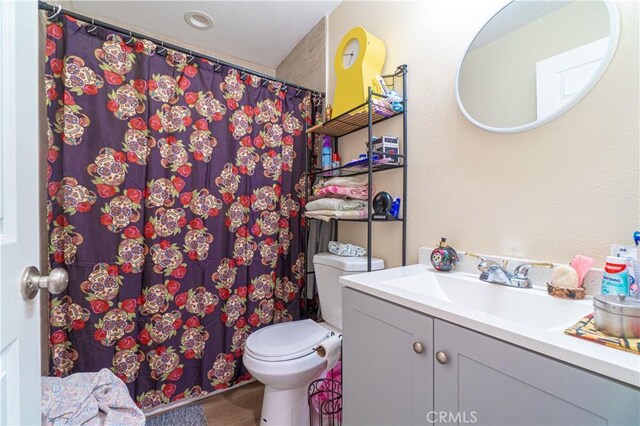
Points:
(360, 117)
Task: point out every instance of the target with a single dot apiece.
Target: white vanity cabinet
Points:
(461, 376)
(385, 380)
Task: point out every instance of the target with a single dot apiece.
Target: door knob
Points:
(442, 357)
(56, 282)
(418, 347)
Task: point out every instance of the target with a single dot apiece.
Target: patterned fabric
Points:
(586, 329)
(175, 187)
(346, 249)
(88, 399)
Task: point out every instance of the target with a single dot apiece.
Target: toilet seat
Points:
(285, 341)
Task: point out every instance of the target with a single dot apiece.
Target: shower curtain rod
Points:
(49, 8)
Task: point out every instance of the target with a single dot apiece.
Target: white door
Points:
(561, 77)
(19, 319)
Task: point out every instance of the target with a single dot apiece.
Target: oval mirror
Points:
(534, 60)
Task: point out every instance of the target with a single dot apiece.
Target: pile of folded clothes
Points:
(339, 198)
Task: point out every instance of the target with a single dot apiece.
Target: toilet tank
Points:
(328, 269)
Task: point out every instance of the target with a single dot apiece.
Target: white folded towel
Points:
(336, 204)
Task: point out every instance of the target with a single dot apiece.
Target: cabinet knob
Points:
(418, 347)
(442, 357)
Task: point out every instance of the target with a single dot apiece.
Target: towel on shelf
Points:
(346, 249)
(327, 215)
(359, 193)
(336, 204)
(348, 181)
(323, 196)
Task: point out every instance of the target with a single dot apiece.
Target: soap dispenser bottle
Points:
(444, 257)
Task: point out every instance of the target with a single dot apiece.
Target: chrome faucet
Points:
(492, 272)
(499, 275)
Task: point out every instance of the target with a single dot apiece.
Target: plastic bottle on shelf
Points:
(335, 163)
(326, 153)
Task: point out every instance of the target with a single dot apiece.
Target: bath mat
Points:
(586, 329)
(189, 415)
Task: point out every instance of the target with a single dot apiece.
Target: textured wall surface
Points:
(306, 63)
(570, 186)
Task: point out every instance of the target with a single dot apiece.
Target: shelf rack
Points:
(360, 117)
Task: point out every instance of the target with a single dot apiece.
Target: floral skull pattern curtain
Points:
(175, 186)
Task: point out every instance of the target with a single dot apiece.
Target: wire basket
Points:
(325, 403)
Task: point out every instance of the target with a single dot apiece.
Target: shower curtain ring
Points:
(191, 58)
(162, 49)
(298, 91)
(130, 40)
(93, 27)
(243, 75)
(217, 67)
(55, 13)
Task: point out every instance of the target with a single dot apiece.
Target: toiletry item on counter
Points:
(630, 253)
(565, 276)
(326, 153)
(346, 249)
(395, 208)
(617, 315)
(636, 237)
(444, 257)
(582, 265)
(565, 292)
(616, 277)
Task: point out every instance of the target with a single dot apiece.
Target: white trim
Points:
(614, 36)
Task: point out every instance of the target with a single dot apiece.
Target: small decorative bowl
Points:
(566, 292)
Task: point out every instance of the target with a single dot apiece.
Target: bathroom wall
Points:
(306, 63)
(570, 186)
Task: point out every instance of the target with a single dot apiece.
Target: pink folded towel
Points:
(359, 193)
(582, 265)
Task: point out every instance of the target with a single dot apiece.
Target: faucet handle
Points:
(484, 264)
(522, 270)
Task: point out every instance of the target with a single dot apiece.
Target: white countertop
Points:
(614, 363)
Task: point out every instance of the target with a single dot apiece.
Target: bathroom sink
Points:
(532, 307)
(525, 317)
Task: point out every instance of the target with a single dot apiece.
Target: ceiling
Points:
(262, 32)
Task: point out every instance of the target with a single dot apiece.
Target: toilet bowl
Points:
(283, 357)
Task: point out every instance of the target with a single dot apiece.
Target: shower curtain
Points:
(175, 186)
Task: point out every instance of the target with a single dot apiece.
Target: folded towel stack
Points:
(339, 198)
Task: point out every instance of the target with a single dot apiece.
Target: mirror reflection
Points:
(533, 60)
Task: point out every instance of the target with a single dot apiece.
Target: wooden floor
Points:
(236, 407)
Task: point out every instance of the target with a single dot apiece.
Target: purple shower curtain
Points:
(175, 187)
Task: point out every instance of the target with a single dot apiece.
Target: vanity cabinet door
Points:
(388, 362)
(489, 382)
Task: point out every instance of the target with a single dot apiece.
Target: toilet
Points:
(282, 356)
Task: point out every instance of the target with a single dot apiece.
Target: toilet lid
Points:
(289, 340)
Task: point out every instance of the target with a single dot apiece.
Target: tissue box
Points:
(387, 144)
